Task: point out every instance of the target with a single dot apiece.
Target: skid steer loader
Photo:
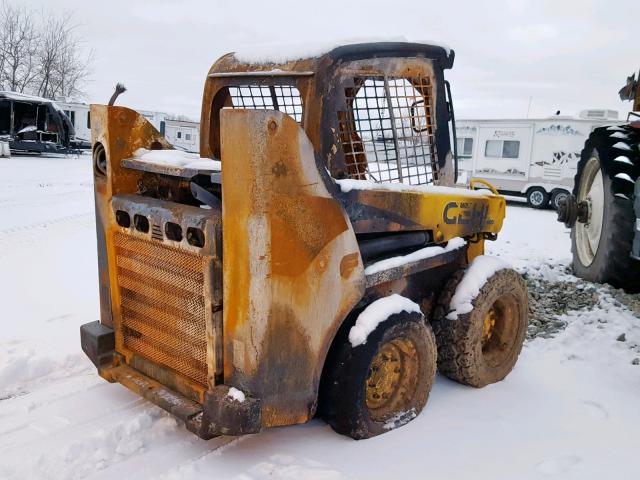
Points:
(603, 212)
(303, 264)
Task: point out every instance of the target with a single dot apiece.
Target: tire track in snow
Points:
(47, 198)
(15, 238)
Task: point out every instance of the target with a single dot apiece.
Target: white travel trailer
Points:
(183, 134)
(180, 133)
(80, 117)
(534, 158)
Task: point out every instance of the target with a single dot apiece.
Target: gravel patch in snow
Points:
(549, 300)
(557, 299)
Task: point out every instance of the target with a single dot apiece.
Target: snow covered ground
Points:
(568, 410)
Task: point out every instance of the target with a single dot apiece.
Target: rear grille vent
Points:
(156, 232)
(163, 304)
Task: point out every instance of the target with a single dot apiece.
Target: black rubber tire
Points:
(534, 204)
(612, 262)
(460, 341)
(556, 196)
(343, 402)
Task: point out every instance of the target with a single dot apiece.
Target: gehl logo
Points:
(466, 213)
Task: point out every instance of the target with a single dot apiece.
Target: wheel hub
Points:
(591, 196)
(537, 198)
(488, 326)
(500, 329)
(391, 379)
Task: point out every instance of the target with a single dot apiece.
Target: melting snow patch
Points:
(279, 53)
(347, 185)
(481, 269)
(619, 135)
(421, 254)
(623, 159)
(624, 176)
(622, 146)
(400, 419)
(236, 395)
(376, 313)
(176, 158)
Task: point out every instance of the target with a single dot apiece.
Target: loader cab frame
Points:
(374, 112)
(258, 305)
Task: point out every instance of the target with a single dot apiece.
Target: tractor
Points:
(603, 209)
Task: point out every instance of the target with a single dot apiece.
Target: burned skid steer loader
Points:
(303, 265)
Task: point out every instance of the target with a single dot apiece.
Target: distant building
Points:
(34, 124)
(535, 158)
(182, 134)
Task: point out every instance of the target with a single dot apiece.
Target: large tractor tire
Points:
(601, 243)
(383, 383)
(481, 347)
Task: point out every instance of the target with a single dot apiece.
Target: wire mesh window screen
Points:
(284, 98)
(388, 130)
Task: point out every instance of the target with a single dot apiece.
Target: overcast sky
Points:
(565, 55)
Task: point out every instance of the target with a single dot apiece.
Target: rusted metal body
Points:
(631, 92)
(273, 267)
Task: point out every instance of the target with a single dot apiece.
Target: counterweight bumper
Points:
(220, 414)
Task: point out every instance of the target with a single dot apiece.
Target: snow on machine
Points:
(317, 258)
(604, 208)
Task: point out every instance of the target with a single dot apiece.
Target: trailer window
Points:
(502, 149)
(284, 98)
(387, 130)
(72, 116)
(465, 147)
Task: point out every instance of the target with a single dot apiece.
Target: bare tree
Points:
(18, 46)
(61, 68)
(42, 54)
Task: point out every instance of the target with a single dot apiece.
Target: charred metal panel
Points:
(421, 286)
(291, 266)
(411, 268)
(135, 263)
(446, 214)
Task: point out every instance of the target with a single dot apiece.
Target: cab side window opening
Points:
(502, 149)
(387, 131)
(284, 98)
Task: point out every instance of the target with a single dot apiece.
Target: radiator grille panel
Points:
(162, 304)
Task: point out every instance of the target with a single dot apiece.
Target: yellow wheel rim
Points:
(489, 325)
(390, 386)
(500, 329)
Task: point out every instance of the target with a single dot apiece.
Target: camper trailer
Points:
(532, 158)
(80, 117)
(34, 124)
